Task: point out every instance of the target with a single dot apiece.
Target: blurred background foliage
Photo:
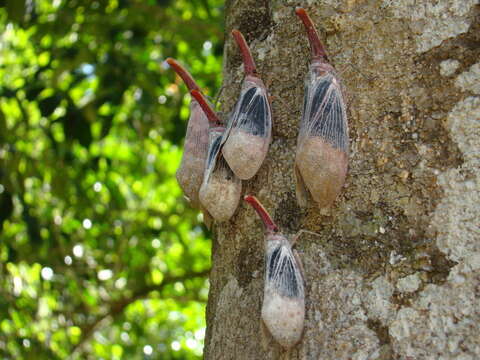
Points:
(100, 256)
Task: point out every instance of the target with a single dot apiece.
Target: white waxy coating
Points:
(283, 316)
(245, 153)
(220, 193)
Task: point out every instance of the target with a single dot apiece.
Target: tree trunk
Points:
(395, 270)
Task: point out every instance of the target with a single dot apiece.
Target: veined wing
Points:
(283, 272)
(253, 112)
(324, 111)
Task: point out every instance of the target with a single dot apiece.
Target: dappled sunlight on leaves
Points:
(100, 255)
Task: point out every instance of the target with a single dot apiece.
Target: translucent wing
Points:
(283, 272)
(253, 112)
(215, 143)
(324, 111)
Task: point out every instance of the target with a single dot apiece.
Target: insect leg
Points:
(300, 189)
(297, 235)
(299, 263)
(207, 218)
(217, 97)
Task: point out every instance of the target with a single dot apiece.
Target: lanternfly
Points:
(220, 190)
(190, 173)
(250, 126)
(283, 308)
(322, 145)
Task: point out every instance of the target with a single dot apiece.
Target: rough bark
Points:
(395, 272)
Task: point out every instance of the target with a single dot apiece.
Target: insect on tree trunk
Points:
(395, 270)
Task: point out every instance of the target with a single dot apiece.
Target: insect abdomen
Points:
(323, 169)
(220, 193)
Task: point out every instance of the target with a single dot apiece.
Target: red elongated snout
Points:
(316, 46)
(184, 74)
(248, 63)
(267, 220)
(211, 115)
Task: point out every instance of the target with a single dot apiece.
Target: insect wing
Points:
(252, 113)
(324, 112)
(196, 138)
(192, 167)
(215, 142)
(283, 273)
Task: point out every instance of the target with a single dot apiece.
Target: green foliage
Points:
(100, 256)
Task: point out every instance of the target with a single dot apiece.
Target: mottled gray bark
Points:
(395, 272)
